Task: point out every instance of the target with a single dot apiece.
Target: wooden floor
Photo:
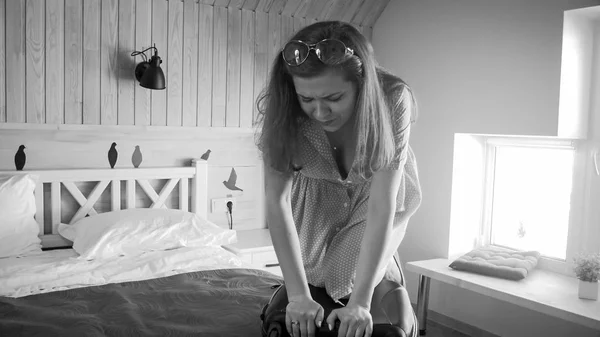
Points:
(438, 326)
(437, 330)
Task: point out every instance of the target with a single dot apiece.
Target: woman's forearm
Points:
(287, 247)
(372, 257)
(380, 237)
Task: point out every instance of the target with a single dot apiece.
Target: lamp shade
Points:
(153, 76)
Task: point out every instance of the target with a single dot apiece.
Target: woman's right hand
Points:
(302, 316)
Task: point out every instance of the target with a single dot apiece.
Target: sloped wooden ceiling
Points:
(363, 13)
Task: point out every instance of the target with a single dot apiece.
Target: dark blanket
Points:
(225, 302)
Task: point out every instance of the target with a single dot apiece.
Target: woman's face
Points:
(328, 99)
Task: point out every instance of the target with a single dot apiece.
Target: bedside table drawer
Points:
(262, 259)
(255, 248)
(267, 261)
(246, 257)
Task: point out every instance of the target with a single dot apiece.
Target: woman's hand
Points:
(355, 321)
(302, 315)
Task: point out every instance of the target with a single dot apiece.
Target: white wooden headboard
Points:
(194, 200)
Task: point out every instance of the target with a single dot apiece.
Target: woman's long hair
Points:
(378, 92)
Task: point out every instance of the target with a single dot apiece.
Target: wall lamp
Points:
(149, 73)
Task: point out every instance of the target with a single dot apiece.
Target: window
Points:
(528, 195)
(531, 197)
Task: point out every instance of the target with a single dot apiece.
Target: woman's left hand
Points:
(355, 321)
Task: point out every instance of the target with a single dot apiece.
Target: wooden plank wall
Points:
(69, 61)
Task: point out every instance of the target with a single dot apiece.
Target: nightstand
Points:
(254, 246)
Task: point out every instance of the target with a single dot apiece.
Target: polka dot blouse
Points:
(330, 213)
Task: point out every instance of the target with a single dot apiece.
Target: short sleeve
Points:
(402, 113)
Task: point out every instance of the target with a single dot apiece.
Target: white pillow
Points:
(134, 231)
(18, 229)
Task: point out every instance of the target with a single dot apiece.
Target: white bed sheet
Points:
(63, 269)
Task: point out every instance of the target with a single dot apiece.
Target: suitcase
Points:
(273, 316)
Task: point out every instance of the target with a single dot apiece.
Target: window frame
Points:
(579, 194)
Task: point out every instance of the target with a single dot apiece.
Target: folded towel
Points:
(498, 262)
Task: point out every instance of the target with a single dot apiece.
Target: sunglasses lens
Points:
(331, 51)
(295, 53)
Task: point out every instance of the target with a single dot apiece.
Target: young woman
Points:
(341, 179)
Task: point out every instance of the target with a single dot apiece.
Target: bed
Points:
(127, 271)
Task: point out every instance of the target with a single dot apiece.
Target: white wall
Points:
(477, 66)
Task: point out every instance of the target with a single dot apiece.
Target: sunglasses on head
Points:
(328, 51)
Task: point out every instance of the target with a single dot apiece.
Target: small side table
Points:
(254, 246)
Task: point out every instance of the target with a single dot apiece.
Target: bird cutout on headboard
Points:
(112, 155)
(230, 184)
(205, 155)
(136, 158)
(20, 158)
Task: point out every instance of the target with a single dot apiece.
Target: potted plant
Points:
(587, 270)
